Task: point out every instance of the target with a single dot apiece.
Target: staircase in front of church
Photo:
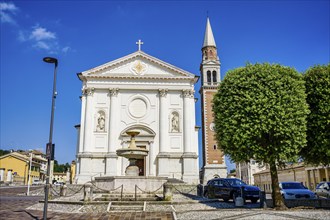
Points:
(126, 202)
(126, 206)
(127, 197)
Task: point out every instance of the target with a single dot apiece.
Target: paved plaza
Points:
(15, 205)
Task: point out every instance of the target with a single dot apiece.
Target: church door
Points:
(141, 164)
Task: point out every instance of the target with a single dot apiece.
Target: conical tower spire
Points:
(208, 37)
(209, 48)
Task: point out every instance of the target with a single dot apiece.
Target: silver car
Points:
(323, 189)
(296, 190)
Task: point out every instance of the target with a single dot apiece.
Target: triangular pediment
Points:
(137, 64)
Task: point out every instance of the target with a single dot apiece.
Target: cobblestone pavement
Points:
(14, 207)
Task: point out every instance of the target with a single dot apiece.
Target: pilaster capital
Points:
(188, 93)
(162, 92)
(113, 92)
(88, 91)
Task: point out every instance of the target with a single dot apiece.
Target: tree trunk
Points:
(278, 202)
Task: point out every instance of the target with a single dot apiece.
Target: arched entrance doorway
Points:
(144, 139)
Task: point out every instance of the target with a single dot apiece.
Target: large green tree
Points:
(260, 112)
(317, 150)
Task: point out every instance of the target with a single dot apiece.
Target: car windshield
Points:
(292, 186)
(236, 182)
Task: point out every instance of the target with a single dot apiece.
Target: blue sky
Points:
(85, 34)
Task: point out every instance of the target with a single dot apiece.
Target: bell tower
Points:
(214, 164)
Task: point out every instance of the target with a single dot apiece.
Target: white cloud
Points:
(42, 45)
(66, 49)
(40, 33)
(41, 39)
(8, 6)
(7, 10)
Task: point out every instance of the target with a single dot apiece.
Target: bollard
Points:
(63, 190)
(200, 190)
(88, 192)
(167, 192)
(243, 195)
(239, 202)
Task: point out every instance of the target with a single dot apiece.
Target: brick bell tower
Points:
(214, 164)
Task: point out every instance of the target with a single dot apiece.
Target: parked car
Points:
(58, 183)
(323, 189)
(295, 190)
(230, 188)
(37, 183)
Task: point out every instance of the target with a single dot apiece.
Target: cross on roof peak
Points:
(139, 43)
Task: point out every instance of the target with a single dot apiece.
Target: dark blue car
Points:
(230, 188)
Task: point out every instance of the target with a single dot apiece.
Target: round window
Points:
(137, 108)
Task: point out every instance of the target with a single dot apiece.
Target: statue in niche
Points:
(175, 122)
(100, 122)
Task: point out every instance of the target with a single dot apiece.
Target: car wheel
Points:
(254, 200)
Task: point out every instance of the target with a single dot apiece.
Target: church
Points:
(142, 93)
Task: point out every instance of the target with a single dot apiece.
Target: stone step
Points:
(126, 206)
(128, 203)
(127, 197)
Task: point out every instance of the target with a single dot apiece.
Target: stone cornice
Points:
(132, 56)
(138, 77)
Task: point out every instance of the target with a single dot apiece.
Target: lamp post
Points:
(29, 179)
(50, 142)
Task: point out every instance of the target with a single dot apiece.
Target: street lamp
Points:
(29, 179)
(49, 149)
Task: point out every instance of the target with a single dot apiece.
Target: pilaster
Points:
(88, 120)
(111, 157)
(163, 164)
(188, 128)
(114, 107)
(82, 122)
(151, 159)
(189, 161)
(163, 120)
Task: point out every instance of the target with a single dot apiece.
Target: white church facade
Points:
(138, 92)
